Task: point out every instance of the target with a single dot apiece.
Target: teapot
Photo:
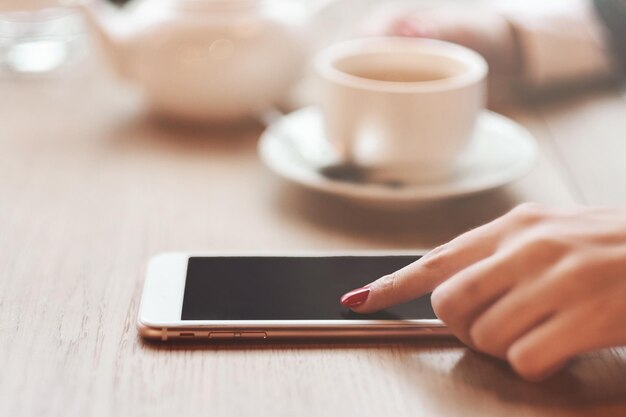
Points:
(205, 60)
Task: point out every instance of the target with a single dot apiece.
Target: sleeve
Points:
(559, 41)
(613, 14)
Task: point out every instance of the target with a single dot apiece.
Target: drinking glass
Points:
(36, 43)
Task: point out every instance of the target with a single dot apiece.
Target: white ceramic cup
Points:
(403, 106)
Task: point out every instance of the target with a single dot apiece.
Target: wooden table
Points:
(88, 192)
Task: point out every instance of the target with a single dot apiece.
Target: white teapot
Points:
(206, 60)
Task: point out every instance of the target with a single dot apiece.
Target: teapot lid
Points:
(212, 5)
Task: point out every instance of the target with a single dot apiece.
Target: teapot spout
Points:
(103, 19)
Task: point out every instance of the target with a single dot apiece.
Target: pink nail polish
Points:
(355, 297)
(413, 29)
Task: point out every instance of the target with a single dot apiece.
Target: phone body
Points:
(267, 297)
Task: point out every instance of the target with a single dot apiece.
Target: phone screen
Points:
(289, 288)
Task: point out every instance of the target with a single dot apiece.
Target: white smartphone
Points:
(264, 297)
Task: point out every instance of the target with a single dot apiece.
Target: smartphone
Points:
(266, 297)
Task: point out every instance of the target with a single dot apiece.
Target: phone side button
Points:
(253, 335)
(221, 335)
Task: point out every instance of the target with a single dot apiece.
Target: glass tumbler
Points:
(45, 42)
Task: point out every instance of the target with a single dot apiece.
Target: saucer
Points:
(501, 151)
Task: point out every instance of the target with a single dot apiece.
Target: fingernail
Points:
(406, 30)
(355, 297)
(413, 29)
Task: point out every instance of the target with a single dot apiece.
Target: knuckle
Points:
(388, 283)
(481, 338)
(441, 304)
(575, 277)
(435, 259)
(541, 243)
(530, 213)
(544, 241)
(487, 341)
(573, 266)
(437, 250)
(524, 363)
(596, 263)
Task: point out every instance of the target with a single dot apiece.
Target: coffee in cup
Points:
(403, 106)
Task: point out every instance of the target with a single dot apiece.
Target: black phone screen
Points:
(289, 288)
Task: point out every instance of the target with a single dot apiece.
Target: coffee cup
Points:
(404, 107)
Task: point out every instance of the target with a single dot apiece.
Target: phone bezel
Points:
(162, 300)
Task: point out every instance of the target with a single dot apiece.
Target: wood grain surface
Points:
(88, 192)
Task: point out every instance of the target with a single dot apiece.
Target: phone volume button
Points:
(221, 335)
(253, 335)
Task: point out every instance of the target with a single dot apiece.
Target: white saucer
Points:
(501, 152)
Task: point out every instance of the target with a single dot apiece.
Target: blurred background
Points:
(106, 55)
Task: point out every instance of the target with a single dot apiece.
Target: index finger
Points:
(425, 274)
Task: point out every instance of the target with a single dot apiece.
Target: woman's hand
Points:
(535, 287)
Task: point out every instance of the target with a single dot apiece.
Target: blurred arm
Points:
(613, 14)
(562, 41)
